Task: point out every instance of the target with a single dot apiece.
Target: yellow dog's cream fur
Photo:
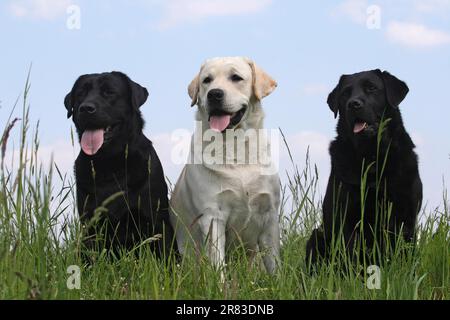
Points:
(220, 205)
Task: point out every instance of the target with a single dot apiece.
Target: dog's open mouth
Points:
(221, 121)
(360, 126)
(93, 139)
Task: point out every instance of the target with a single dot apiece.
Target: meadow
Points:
(41, 238)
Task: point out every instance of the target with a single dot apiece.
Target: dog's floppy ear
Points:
(139, 94)
(69, 99)
(333, 98)
(263, 84)
(68, 104)
(193, 89)
(396, 89)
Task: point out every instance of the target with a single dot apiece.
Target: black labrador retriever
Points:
(121, 189)
(374, 192)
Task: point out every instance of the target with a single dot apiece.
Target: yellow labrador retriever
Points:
(226, 196)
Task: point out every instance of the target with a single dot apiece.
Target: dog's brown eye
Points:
(236, 78)
(207, 80)
(107, 93)
(371, 88)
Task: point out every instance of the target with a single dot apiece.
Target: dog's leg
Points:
(315, 248)
(214, 231)
(269, 244)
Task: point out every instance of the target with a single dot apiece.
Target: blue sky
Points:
(305, 46)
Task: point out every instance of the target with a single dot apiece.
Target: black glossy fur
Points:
(126, 162)
(358, 98)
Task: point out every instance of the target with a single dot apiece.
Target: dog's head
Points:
(363, 99)
(226, 88)
(105, 110)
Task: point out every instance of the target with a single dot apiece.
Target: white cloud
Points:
(403, 33)
(316, 142)
(62, 151)
(64, 154)
(416, 35)
(164, 146)
(39, 9)
(432, 6)
(184, 11)
(299, 143)
(355, 10)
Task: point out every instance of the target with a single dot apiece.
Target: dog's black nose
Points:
(216, 95)
(355, 104)
(87, 108)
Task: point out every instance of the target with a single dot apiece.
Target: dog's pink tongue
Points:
(219, 123)
(359, 126)
(92, 141)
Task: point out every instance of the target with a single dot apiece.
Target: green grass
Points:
(40, 238)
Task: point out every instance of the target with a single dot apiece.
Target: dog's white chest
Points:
(246, 200)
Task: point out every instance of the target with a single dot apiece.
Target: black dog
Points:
(117, 169)
(392, 189)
